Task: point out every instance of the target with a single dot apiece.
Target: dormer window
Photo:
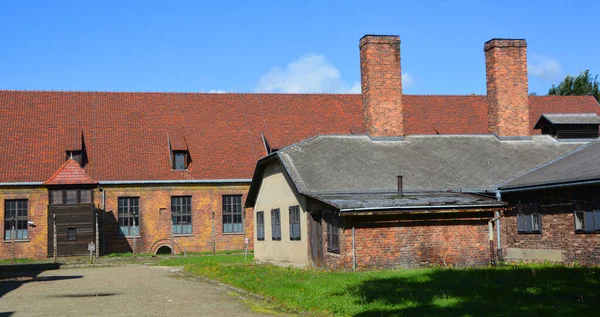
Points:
(180, 160)
(76, 155)
(569, 125)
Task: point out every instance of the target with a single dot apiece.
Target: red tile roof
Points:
(70, 173)
(126, 136)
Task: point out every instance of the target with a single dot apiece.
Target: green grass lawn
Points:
(513, 290)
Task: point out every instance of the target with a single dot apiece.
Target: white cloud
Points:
(407, 80)
(311, 73)
(216, 91)
(543, 67)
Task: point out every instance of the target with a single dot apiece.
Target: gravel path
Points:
(117, 291)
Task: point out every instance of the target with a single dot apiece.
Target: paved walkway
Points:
(116, 291)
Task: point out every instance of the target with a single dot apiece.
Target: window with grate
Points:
(295, 223)
(15, 219)
(129, 216)
(275, 225)
(587, 215)
(260, 225)
(181, 213)
(232, 214)
(333, 233)
(529, 218)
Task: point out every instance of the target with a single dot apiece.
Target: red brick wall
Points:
(558, 233)
(507, 87)
(37, 245)
(155, 225)
(381, 85)
(406, 243)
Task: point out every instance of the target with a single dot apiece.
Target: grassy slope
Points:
(510, 290)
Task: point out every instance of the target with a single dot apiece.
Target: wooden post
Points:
(214, 238)
(97, 236)
(12, 240)
(54, 242)
(172, 239)
(134, 235)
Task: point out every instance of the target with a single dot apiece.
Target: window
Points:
(529, 218)
(232, 214)
(71, 196)
(181, 212)
(333, 233)
(15, 216)
(76, 155)
(180, 160)
(260, 226)
(72, 234)
(295, 223)
(275, 225)
(129, 216)
(587, 215)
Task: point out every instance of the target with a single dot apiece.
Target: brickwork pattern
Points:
(413, 244)
(37, 245)
(381, 82)
(507, 87)
(558, 233)
(155, 219)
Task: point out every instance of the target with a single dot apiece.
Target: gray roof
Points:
(356, 202)
(350, 164)
(572, 118)
(579, 166)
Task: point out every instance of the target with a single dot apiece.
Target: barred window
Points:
(333, 233)
(129, 216)
(295, 223)
(260, 225)
(275, 225)
(232, 214)
(181, 213)
(529, 218)
(15, 217)
(71, 196)
(71, 234)
(587, 215)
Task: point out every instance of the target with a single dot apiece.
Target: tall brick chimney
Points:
(381, 84)
(507, 89)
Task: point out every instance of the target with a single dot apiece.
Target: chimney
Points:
(506, 77)
(381, 81)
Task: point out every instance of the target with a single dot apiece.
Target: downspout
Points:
(353, 251)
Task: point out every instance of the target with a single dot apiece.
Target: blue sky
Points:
(282, 46)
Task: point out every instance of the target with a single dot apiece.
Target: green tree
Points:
(581, 85)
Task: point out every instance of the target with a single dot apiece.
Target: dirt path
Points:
(117, 291)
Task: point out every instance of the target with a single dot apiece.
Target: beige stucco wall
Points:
(277, 191)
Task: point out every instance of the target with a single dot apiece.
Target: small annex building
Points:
(336, 201)
(557, 214)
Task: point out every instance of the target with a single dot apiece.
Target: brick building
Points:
(396, 199)
(173, 169)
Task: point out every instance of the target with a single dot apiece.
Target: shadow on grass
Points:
(504, 291)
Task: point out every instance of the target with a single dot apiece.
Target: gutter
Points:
(549, 186)
(429, 207)
(176, 181)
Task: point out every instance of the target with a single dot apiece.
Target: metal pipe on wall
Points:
(353, 251)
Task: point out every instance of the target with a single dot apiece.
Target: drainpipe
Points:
(499, 247)
(353, 251)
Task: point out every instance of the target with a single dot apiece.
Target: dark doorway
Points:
(164, 249)
(316, 239)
